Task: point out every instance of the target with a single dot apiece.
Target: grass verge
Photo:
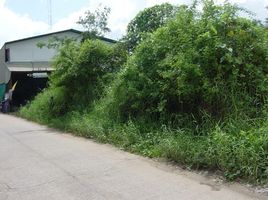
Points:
(237, 153)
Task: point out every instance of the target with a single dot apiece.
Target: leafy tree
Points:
(148, 21)
(96, 23)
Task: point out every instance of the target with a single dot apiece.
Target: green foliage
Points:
(243, 155)
(83, 70)
(147, 21)
(47, 105)
(212, 62)
(95, 23)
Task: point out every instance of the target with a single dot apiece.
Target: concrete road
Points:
(37, 163)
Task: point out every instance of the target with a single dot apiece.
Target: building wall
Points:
(4, 72)
(2, 54)
(28, 51)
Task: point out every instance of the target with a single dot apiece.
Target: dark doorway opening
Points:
(27, 87)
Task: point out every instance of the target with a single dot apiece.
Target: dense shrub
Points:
(212, 62)
(82, 71)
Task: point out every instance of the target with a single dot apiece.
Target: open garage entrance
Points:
(29, 84)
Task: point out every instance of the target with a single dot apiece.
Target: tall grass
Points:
(239, 152)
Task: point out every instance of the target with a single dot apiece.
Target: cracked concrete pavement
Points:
(39, 163)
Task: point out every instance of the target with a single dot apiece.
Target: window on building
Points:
(7, 55)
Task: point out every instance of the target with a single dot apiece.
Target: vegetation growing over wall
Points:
(194, 91)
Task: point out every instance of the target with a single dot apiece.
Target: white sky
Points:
(16, 25)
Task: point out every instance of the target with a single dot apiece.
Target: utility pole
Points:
(49, 10)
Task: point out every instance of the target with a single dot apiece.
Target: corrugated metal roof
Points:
(53, 33)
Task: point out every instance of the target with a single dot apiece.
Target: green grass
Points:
(238, 149)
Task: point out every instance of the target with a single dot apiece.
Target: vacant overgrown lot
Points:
(193, 91)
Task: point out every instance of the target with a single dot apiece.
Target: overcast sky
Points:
(24, 18)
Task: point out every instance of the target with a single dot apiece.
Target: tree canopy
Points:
(148, 21)
(96, 23)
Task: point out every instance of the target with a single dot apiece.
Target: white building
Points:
(24, 55)
(28, 63)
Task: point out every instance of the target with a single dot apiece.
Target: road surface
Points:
(37, 163)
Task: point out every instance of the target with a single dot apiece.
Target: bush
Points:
(84, 70)
(212, 62)
(49, 104)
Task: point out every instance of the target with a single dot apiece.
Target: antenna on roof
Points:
(49, 9)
